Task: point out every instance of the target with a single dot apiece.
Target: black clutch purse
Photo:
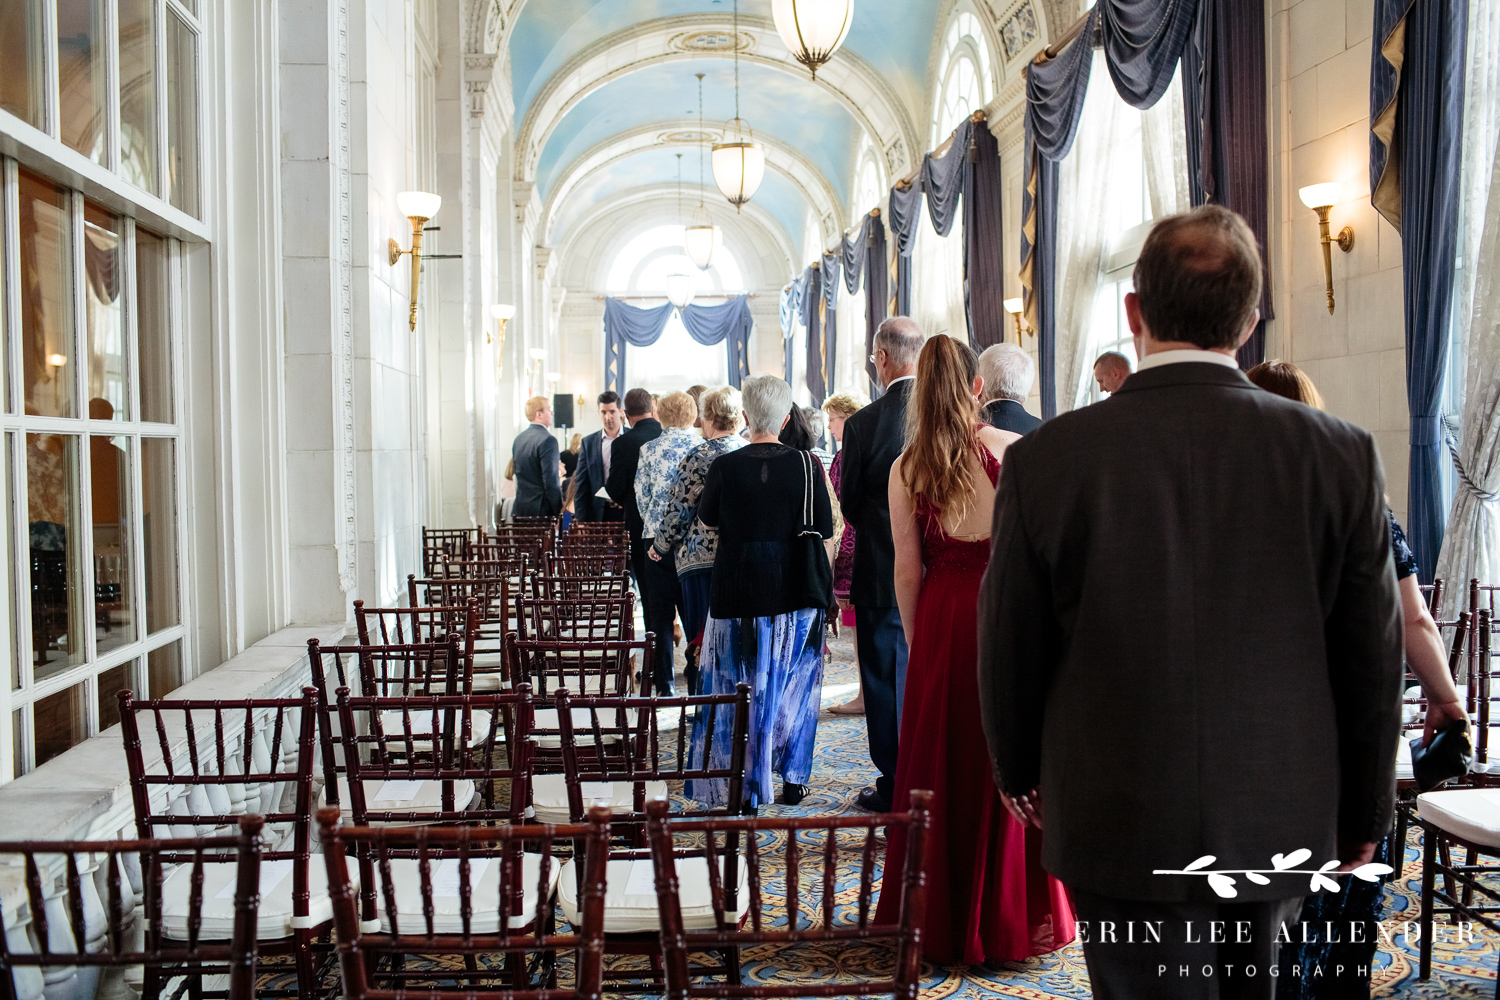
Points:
(1448, 756)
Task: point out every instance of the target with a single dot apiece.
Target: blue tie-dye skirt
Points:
(781, 658)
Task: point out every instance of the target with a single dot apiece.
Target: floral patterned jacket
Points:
(695, 542)
(657, 473)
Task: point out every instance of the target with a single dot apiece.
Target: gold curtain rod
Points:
(947, 144)
(1074, 30)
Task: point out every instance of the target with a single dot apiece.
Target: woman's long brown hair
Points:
(940, 421)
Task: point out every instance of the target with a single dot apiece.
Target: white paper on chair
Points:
(642, 881)
(271, 874)
(445, 879)
(597, 793)
(398, 791)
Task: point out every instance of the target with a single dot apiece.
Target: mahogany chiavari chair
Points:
(441, 544)
(587, 561)
(212, 751)
(491, 597)
(1413, 720)
(391, 759)
(467, 892)
(580, 588)
(710, 898)
(592, 668)
(414, 625)
(52, 880)
(576, 620)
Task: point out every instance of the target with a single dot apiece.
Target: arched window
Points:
(866, 186)
(965, 82)
(640, 269)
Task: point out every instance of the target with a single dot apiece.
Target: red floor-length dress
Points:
(988, 898)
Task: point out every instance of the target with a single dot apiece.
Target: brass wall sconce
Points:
(579, 400)
(503, 314)
(1320, 198)
(538, 357)
(418, 206)
(1016, 308)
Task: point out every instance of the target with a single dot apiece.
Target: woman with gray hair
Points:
(769, 595)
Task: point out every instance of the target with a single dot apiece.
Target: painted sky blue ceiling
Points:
(822, 129)
(658, 165)
(893, 36)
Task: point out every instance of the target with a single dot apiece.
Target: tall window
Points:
(965, 83)
(92, 440)
(867, 191)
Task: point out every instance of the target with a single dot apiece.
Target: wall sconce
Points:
(552, 379)
(418, 206)
(1320, 198)
(579, 400)
(538, 356)
(503, 314)
(1016, 308)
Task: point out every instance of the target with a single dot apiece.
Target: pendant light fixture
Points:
(679, 285)
(739, 162)
(702, 238)
(813, 29)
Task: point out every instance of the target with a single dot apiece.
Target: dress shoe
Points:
(792, 795)
(870, 801)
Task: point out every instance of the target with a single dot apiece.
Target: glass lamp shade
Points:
(1013, 306)
(1320, 195)
(418, 204)
(503, 311)
(813, 29)
(739, 163)
(701, 239)
(680, 289)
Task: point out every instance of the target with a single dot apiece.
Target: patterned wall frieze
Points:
(343, 368)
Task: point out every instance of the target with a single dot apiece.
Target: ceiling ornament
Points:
(711, 41)
(687, 137)
(702, 238)
(739, 161)
(813, 29)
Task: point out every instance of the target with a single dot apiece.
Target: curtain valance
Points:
(625, 324)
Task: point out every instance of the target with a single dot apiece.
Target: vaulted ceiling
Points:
(606, 97)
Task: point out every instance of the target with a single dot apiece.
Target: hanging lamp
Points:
(813, 29)
(739, 161)
(679, 285)
(702, 238)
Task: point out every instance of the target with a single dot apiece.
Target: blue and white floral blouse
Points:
(657, 472)
(680, 529)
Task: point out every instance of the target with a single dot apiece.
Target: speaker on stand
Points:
(562, 410)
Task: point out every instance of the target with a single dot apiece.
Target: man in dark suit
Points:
(873, 439)
(593, 463)
(1190, 638)
(1008, 374)
(535, 454)
(625, 455)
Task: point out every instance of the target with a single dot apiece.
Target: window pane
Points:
(80, 75)
(125, 677)
(46, 297)
(21, 60)
(152, 335)
(61, 723)
(17, 741)
(12, 516)
(138, 92)
(159, 513)
(114, 597)
(182, 114)
(164, 666)
(104, 320)
(56, 589)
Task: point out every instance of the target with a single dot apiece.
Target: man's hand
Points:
(1027, 809)
(651, 553)
(1439, 716)
(1354, 855)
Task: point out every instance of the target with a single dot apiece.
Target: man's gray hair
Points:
(901, 339)
(768, 402)
(1008, 372)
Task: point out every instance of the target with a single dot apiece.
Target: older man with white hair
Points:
(1008, 374)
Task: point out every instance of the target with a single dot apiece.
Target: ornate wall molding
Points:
(343, 274)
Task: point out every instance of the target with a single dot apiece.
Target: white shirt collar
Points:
(1178, 357)
(903, 378)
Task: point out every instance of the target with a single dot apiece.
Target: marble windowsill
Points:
(85, 792)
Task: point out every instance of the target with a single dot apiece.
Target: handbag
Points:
(1448, 756)
(814, 571)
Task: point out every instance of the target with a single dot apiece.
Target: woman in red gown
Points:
(988, 899)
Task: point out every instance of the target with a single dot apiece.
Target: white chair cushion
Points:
(545, 719)
(490, 682)
(274, 916)
(630, 895)
(1470, 813)
(549, 796)
(421, 724)
(399, 796)
(486, 658)
(485, 899)
(1403, 756)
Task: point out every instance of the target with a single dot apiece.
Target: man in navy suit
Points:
(1008, 374)
(594, 463)
(535, 455)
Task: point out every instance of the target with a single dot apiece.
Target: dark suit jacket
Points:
(1009, 415)
(873, 439)
(538, 488)
(1190, 635)
(624, 456)
(590, 479)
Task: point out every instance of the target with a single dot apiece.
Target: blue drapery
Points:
(831, 283)
(727, 323)
(877, 291)
(1416, 122)
(708, 325)
(946, 178)
(1224, 102)
(1142, 41)
(813, 319)
(904, 205)
(627, 324)
(793, 297)
(984, 243)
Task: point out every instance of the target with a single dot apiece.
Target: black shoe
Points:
(870, 801)
(793, 794)
(663, 689)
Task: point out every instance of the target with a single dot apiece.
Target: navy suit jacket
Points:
(1009, 415)
(589, 479)
(538, 485)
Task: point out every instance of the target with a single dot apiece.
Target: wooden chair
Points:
(210, 750)
(705, 903)
(47, 879)
(593, 668)
(1464, 819)
(580, 588)
(441, 891)
(584, 620)
(442, 544)
(418, 624)
(588, 561)
(1414, 719)
(495, 608)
